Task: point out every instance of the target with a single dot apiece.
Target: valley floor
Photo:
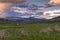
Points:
(30, 30)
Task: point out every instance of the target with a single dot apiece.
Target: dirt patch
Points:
(50, 30)
(24, 32)
(4, 34)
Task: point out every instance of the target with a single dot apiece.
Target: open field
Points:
(30, 30)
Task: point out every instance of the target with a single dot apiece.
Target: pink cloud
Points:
(12, 1)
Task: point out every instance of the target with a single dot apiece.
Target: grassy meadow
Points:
(32, 30)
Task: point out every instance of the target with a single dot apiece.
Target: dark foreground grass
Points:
(28, 31)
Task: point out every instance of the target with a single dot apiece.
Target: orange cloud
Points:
(54, 2)
(4, 6)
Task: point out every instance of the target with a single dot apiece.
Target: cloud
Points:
(54, 2)
(22, 10)
(3, 15)
(37, 16)
(51, 14)
(4, 6)
(19, 10)
(12, 1)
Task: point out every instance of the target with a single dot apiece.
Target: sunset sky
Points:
(5, 8)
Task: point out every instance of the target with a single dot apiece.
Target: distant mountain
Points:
(21, 19)
(55, 19)
(30, 19)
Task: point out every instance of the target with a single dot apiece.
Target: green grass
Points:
(28, 31)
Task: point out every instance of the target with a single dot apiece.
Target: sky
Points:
(9, 9)
(54, 2)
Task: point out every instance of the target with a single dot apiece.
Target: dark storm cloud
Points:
(12, 1)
